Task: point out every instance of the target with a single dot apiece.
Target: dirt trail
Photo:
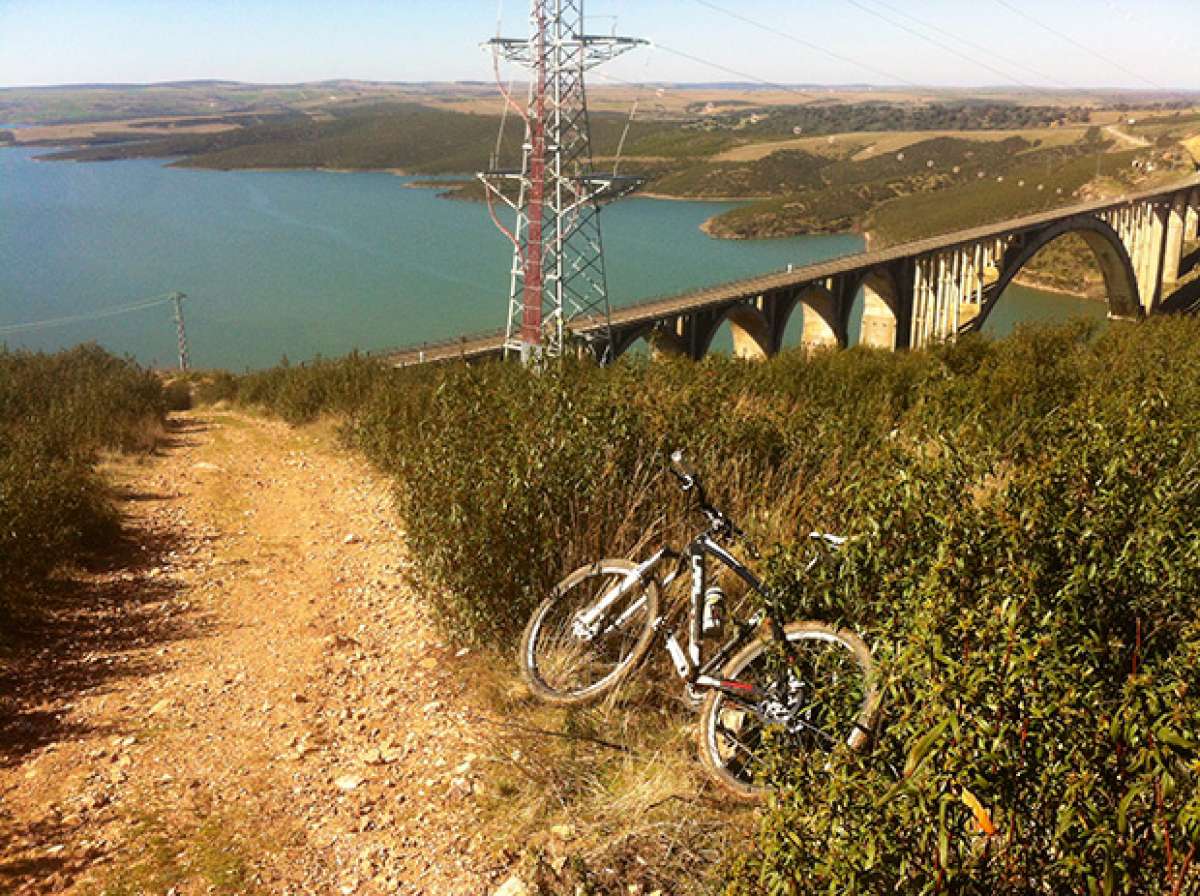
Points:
(249, 700)
(1129, 140)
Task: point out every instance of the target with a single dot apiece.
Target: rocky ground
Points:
(246, 698)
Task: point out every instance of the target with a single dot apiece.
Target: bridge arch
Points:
(659, 338)
(751, 332)
(820, 320)
(1116, 267)
(881, 309)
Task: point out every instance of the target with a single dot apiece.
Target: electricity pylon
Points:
(181, 331)
(558, 274)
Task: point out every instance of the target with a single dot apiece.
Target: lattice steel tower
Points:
(558, 274)
(176, 299)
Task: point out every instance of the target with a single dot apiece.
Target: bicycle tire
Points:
(860, 727)
(532, 641)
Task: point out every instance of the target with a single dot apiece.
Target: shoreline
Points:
(1031, 281)
(707, 229)
(666, 197)
(277, 169)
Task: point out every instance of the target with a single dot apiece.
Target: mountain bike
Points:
(808, 683)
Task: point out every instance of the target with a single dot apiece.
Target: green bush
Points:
(300, 394)
(56, 413)
(1032, 598)
(177, 395)
(1026, 568)
(214, 387)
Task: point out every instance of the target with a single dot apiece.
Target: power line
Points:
(140, 305)
(805, 43)
(1011, 8)
(970, 43)
(738, 74)
(937, 43)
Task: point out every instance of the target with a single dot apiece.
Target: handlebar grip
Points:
(680, 466)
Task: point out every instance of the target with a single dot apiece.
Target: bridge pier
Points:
(1176, 227)
(1191, 228)
(665, 341)
(1153, 291)
(951, 289)
(884, 307)
(822, 309)
(1143, 252)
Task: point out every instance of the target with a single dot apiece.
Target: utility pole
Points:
(177, 300)
(558, 274)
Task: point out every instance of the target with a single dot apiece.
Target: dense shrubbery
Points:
(1026, 567)
(301, 393)
(1029, 581)
(56, 413)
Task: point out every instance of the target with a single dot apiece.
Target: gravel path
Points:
(246, 699)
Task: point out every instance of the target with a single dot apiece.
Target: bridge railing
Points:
(439, 345)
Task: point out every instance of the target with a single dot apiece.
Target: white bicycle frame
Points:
(688, 661)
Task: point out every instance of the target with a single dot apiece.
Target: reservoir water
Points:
(306, 263)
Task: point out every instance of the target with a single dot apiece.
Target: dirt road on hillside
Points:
(248, 699)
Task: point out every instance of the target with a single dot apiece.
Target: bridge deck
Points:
(653, 309)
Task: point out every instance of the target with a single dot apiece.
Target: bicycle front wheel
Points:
(575, 649)
(817, 695)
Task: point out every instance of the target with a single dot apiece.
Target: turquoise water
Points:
(302, 263)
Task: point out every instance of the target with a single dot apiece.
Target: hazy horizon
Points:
(930, 44)
(679, 85)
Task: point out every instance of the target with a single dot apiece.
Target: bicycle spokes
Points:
(577, 649)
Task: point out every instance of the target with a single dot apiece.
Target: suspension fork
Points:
(686, 659)
(634, 579)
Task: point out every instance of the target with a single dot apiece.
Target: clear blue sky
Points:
(72, 41)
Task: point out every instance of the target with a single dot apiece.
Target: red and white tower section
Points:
(558, 273)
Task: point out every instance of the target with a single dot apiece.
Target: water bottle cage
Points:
(713, 618)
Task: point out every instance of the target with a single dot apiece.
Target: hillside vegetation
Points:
(58, 413)
(978, 115)
(1025, 563)
(405, 136)
(417, 137)
(854, 181)
(963, 180)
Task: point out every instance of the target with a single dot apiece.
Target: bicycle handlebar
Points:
(689, 480)
(687, 477)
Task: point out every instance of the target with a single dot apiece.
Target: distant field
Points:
(867, 144)
(76, 103)
(158, 126)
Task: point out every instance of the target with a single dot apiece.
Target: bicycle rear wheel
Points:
(823, 696)
(568, 659)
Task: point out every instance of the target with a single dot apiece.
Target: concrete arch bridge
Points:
(914, 294)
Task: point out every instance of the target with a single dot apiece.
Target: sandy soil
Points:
(246, 698)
